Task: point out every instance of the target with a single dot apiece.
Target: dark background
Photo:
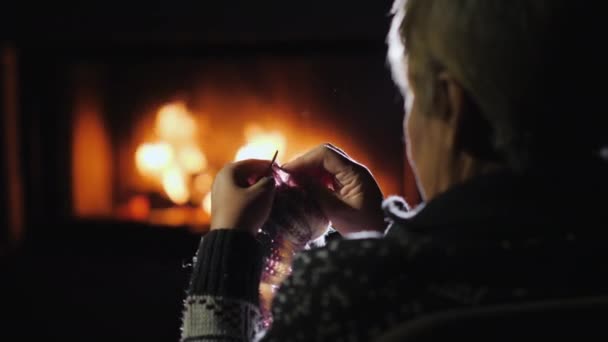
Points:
(177, 22)
(82, 279)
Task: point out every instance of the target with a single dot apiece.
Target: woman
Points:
(490, 89)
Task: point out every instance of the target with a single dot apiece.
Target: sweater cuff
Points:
(228, 264)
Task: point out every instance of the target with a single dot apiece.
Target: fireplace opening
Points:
(148, 135)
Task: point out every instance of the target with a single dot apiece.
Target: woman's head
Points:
(491, 82)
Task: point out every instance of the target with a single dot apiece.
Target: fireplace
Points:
(137, 134)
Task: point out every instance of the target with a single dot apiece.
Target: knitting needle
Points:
(274, 158)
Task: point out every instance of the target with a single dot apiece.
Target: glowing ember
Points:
(261, 145)
(174, 123)
(207, 203)
(174, 184)
(139, 207)
(153, 158)
(191, 159)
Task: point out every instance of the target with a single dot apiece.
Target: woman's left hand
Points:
(242, 195)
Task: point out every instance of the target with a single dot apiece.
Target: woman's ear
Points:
(449, 103)
(470, 131)
(451, 99)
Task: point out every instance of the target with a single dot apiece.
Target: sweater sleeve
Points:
(222, 302)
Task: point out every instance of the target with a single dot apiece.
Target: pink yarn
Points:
(294, 221)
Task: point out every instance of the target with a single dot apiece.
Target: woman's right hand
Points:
(346, 190)
(242, 196)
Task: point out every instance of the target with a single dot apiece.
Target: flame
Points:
(206, 204)
(174, 123)
(152, 158)
(202, 183)
(172, 160)
(176, 158)
(174, 184)
(261, 144)
(191, 159)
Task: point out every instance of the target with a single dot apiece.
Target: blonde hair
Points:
(509, 56)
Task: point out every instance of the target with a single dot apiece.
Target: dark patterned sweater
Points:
(501, 238)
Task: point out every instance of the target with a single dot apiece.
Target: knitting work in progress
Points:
(295, 220)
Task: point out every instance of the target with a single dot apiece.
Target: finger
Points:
(265, 184)
(251, 165)
(312, 159)
(322, 158)
(333, 207)
(249, 171)
(338, 150)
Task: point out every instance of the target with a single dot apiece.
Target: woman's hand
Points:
(346, 190)
(241, 196)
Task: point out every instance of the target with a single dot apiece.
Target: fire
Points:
(191, 159)
(203, 183)
(174, 123)
(261, 144)
(179, 165)
(207, 204)
(152, 158)
(174, 184)
(176, 157)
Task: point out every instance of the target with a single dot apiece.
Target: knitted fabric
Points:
(213, 317)
(294, 221)
(218, 305)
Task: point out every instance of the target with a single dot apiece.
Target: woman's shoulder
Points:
(354, 253)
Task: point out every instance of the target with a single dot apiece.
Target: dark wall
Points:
(223, 21)
(4, 234)
(94, 281)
